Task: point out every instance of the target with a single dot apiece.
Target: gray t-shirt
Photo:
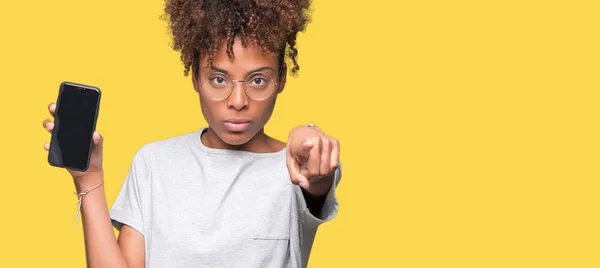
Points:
(203, 207)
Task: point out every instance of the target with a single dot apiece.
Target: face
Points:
(236, 118)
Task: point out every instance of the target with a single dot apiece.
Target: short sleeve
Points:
(330, 206)
(127, 208)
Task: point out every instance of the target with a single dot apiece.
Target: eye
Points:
(218, 80)
(258, 81)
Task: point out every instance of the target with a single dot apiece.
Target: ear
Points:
(282, 78)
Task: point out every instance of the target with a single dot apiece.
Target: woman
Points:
(227, 195)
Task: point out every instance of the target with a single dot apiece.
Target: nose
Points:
(238, 99)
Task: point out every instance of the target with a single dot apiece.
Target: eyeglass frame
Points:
(244, 86)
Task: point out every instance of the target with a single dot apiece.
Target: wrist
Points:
(321, 187)
(87, 181)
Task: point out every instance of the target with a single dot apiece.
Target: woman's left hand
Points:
(312, 158)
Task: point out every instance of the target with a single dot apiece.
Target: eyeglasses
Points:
(258, 86)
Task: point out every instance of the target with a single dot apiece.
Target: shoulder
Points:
(167, 148)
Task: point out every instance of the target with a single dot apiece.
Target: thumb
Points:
(302, 180)
(296, 173)
(98, 140)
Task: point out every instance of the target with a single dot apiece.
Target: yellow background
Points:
(469, 129)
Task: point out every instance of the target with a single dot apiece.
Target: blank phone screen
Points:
(74, 125)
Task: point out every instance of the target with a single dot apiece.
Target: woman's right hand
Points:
(95, 167)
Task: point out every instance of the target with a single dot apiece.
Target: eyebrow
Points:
(250, 72)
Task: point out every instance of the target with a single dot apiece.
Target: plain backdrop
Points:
(469, 129)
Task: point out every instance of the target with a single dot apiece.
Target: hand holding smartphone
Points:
(74, 143)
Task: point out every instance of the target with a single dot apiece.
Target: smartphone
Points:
(75, 119)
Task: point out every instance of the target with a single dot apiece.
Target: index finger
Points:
(304, 148)
(52, 108)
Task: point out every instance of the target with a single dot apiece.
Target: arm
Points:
(312, 160)
(315, 197)
(102, 249)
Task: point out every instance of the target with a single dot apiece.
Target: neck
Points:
(260, 143)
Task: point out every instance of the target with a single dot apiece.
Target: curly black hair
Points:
(200, 27)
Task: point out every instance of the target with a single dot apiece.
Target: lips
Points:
(237, 124)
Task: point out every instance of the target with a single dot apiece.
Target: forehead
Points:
(246, 58)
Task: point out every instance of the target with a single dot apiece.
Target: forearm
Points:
(316, 194)
(102, 249)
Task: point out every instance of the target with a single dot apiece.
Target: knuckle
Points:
(317, 140)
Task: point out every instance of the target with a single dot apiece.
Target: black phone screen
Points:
(74, 125)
